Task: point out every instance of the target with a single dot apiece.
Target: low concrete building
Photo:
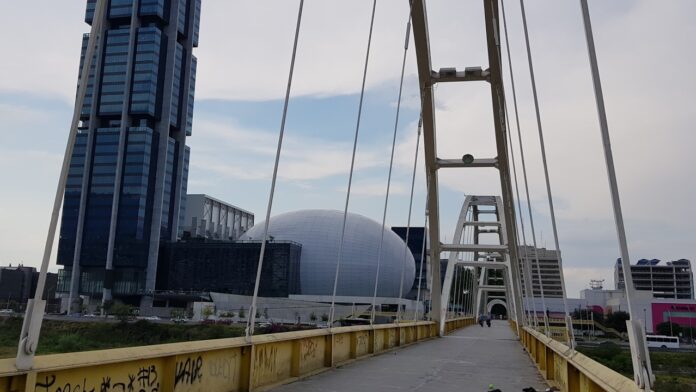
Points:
(674, 279)
(548, 269)
(208, 217)
(18, 284)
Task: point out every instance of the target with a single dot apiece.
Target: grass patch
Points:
(71, 336)
(674, 371)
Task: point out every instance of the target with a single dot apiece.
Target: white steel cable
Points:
(525, 258)
(546, 173)
(413, 176)
(642, 368)
(352, 167)
(252, 310)
(423, 258)
(529, 289)
(33, 316)
(389, 176)
(531, 221)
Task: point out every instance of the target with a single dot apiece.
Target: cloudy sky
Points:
(646, 51)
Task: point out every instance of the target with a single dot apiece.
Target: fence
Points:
(233, 364)
(570, 370)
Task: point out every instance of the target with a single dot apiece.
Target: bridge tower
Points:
(504, 206)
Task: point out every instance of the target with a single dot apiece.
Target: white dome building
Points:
(319, 232)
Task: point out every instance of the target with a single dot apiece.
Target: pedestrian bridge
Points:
(406, 356)
(445, 354)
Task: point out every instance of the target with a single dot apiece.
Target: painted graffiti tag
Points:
(144, 380)
(266, 359)
(362, 343)
(189, 371)
(222, 368)
(49, 383)
(308, 349)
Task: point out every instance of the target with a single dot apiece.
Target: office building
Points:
(146, 132)
(18, 285)
(673, 279)
(548, 269)
(299, 265)
(416, 236)
(210, 218)
(201, 265)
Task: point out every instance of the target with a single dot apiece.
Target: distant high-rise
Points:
(548, 269)
(671, 280)
(126, 187)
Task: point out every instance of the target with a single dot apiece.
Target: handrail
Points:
(238, 364)
(571, 370)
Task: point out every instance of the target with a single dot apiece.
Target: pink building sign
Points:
(682, 314)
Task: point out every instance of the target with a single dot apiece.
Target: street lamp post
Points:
(645, 321)
(669, 319)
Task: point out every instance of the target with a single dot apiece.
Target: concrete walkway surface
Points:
(467, 360)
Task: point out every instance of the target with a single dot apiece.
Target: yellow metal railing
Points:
(233, 364)
(570, 370)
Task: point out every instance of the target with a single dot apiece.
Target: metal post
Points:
(123, 130)
(33, 317)
(641, 358)
(252, 310)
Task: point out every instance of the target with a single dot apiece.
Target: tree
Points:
(668, 328)
(325, 317)
(617, 320)
(312, 317)
(207, 311)
(122, 312)
(241, 313)
(265, 313)
(107, 306)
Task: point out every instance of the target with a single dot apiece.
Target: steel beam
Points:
(421, 42)
(470, 74)
(456, 163)
(473, 248)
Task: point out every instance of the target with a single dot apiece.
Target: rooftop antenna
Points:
(596, 284)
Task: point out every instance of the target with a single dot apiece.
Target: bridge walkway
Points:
(467, 360)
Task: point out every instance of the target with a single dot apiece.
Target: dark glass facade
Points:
(229, 267)
(154, 171)
(416, 236)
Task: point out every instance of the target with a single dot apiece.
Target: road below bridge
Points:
(467, 360)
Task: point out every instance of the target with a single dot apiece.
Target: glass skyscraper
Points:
(126, 187)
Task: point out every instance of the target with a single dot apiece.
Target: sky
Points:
(646, 52)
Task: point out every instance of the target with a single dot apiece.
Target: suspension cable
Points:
(29, 335)
(423, 258)
(352, 168)
(526, 278)
(546, 170)
(252, 310)
(389, 176)
(642, 367)
(413, 176)
(531, 217)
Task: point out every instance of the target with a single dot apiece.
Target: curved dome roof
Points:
(319, 232)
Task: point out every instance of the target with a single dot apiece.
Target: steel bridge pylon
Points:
(492, 75)
(484, 215)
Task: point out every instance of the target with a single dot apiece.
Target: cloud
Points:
(376, 189)
(645, 63)
(230, 150)
(578, 278)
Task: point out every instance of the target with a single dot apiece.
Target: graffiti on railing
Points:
(189, 371)
(308, 349)
(145, 379)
